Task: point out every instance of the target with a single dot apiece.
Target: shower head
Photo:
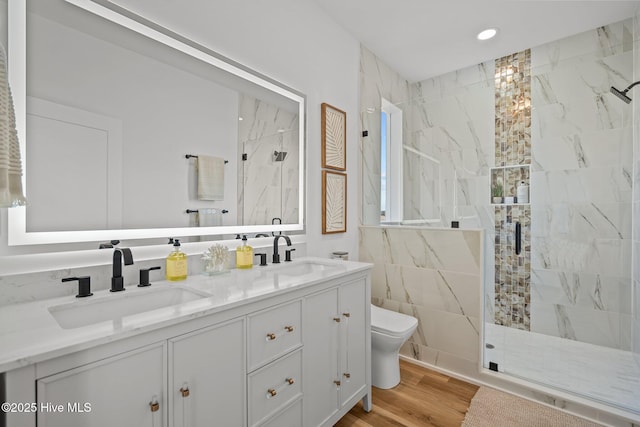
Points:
(621, 94)
(279, 156)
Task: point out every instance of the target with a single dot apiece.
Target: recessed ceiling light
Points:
(487, 34)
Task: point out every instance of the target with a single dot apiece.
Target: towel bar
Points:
(188, 156)
(224, 211)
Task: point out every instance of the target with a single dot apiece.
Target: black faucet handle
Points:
(126, 256)
(144, 276)
(84, 285)
(263, 259)
(287, 254)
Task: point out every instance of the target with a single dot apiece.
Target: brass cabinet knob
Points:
(271, 337)
(347, 375)
(155, 406)
(184, 391)
(272, 392)
(346, 314)
(290, 381)
(289, 328)
(337, 382)
(336, 319)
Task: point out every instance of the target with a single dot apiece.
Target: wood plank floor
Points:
(423, 398)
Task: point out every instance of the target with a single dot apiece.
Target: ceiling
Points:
(426, 38)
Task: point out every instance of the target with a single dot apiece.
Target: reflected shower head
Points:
(622, 94)
(279, 156)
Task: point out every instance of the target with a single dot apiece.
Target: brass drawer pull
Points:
(336, 319)
(184, 391)
(347, 375)
(290, 381)
(289, 328)
(337, 382)
(346, 314)
(272, 392)
(271, 337)
(155, 406)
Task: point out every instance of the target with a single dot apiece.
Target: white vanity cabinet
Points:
(296, 356)
(189, 380)
(337, 352)
(117, 391)
(207, 377)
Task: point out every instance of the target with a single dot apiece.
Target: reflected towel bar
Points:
(188, 156)
(224, 211)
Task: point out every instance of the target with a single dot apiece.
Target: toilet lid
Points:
(391, 323)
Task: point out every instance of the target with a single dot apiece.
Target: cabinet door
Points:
(207, 377)
(320, 332)
(353, 339)
(116, 391)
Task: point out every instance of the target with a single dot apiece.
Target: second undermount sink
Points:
(110, 307)
(305, 267)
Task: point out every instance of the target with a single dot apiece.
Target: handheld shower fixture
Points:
(623, 94)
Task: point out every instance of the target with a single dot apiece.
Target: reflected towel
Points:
(209, 217)
(11, 193)
(210, 178)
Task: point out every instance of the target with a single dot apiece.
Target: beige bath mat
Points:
(493, 408)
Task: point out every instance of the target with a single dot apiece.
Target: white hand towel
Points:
(11, 193)
(209, 217)
(210, 178)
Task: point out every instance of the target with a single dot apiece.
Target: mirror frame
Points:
(17, 232)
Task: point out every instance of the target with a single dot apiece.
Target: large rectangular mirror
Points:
(130, 131)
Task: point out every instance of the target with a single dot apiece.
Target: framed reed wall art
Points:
(334, 138)
(334, 202)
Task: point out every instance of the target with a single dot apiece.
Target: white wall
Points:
(294, 42)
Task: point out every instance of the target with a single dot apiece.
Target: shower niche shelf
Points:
(504, 184)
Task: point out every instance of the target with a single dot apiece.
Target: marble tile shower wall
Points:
(434, 275)
(636, 200)
(581, 187)
(377, 80)
(453, 123)
(272, 186)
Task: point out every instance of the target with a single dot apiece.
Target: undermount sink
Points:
(303, 268)
(112, 307)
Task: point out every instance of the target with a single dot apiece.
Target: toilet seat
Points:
(390, 322)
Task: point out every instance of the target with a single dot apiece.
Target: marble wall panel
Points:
(583, 222)
(268, 188)
(377, 81)
(436, 276)
(603, 148)
(601, 42)
(603, 328)
(581, 289)
(635, 321)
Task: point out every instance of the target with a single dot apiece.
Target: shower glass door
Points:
(560, 312)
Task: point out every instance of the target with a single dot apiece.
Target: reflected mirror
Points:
(131, 131)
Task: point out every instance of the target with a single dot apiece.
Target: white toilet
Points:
(389, 330)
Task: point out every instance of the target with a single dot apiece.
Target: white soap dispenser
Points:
(523, 192)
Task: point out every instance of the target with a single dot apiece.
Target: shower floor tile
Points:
(605, 374)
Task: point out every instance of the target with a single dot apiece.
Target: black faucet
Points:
(117, 281)
(276, 256)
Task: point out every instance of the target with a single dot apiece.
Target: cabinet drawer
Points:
(274, 386)
(289, 417)
(273, 333)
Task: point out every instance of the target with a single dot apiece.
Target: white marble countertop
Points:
(30, 334)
